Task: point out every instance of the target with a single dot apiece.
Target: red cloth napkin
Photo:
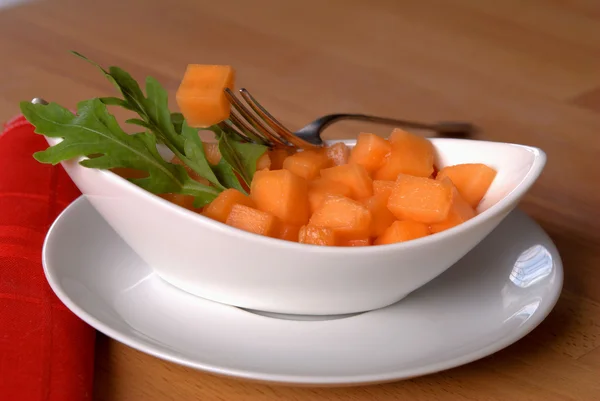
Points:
(46, 352)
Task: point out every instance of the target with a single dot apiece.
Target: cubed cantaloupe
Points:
(213, 156)
(411, 154)
(472, 180)
(281, 193)
(401, 231)
(252, 220)
(277, 157)
(460, 211)
(288, 232)
(220, 208)
(370, 151)
(355, 242)
(307, 164)
(263, 162)
(352, 175)
(338, 153)
(316, 235)
(322, 188)
(212, 152)
(420, 199)
(383, 188)
(381, 217)
(201, 97)
(348, 218)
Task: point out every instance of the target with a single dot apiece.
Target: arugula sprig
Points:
(241, 156)
(155, 116)
(93, 131)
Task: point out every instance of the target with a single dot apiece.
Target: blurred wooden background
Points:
(523, 71)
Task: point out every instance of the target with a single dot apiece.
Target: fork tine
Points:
(282, 131)
(246, 129)
(230, 127)
(240, 122)
(250, 123)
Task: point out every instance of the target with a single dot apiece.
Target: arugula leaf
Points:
(195, 156)
(225, 174)
(157, 109)
(115, 101)
(141, 123)
(94, 131)
(106, 74)
(177, 121)
(153, 109)
(241, 156)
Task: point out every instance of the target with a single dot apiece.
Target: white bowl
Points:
(231, 266)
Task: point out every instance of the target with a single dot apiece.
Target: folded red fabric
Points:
(46, 352)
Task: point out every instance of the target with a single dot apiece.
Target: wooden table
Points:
(524, 72)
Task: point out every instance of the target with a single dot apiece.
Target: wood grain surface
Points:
(523, 71)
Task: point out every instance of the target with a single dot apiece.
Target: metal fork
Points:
(256, 124)
(260, 126)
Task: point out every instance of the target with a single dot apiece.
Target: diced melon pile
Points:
(381, 191)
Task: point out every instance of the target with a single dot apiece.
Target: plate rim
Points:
(146, 347)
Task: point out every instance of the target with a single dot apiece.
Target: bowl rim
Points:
(539, 161)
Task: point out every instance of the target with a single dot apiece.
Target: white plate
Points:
(493, 297)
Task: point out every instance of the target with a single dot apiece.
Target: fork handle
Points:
(312, 132)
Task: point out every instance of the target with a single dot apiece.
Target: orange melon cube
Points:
(321, 188)
(281, 193)
(252, 220)
(185, 201)
(472, 180)
(420, 199)
(306, 164)
(381, 217)
(348, 218)
(263, 162)
(277, 157)
(316, 235)
(356, 242)
(288, 232)
(212, 152)
(354, 176)
(338, 153)
(220, 208)
(401, 231)
(370, 151)
(213, 156)
(201, 97)
(460, 211)
(411, 154)
(383, 188)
